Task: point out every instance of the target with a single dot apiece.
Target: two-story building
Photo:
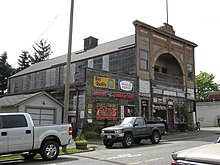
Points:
(150, 73)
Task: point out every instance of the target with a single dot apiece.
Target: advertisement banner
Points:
(103, 82)
(106, 112)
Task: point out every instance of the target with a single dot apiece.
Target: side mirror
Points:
(135, 124)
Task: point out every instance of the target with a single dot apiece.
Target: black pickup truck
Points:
(132, 130)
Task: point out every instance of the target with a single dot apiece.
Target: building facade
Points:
(150, 73)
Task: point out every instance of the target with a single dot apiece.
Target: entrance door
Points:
(170, 118)
(144, 109)
(128, 111)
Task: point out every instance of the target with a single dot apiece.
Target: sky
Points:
(26, 22)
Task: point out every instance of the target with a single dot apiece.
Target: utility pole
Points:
(68, 62)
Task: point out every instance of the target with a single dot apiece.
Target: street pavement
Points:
(173, 135)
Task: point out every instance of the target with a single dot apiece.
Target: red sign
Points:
(103, 112)
(123, 96)
(99, 93)
(113, 94)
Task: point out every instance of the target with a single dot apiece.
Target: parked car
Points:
(19, 135)
(203, 155)
(132, 130)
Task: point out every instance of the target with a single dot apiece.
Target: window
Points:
(1, 122)
(189, 68)
(139, 122)
(97, 63)
(17, 121)
(143, 59)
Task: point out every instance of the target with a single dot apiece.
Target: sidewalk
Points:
(177, 135)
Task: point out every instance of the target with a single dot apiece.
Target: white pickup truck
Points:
(19, 135)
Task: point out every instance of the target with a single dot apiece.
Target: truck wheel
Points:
(29, 155)
(137, 141)
(128, 141)
(108, 143)
(155, 137)
(49, 150)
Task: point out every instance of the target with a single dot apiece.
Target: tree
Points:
(5, 71)
(42, 52)
(24, 61)
(205, 84)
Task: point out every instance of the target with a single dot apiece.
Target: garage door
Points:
(42, 116)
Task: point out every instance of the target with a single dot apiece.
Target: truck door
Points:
(20, 135)
(139, 128)
(3, 136)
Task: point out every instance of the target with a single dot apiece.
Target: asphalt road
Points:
(142, 154)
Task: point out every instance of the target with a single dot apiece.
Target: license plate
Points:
(109, 137)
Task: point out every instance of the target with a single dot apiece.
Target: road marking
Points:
(135, 163)
(151, 160)
(124, 156)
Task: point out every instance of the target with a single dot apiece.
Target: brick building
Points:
(150, 73)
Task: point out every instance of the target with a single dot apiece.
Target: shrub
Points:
(80, 138)
(91, 135)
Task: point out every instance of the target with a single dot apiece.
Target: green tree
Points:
(205, 84)
(42, 51)
(23, 61)
(5, 71)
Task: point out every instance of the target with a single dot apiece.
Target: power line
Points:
(48, 27)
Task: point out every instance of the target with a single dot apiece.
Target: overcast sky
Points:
(24, 22)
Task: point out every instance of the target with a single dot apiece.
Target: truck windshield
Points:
(129, 121)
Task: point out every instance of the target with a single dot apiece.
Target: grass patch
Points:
(13, 157)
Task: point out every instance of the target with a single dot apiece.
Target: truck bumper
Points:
(113, 137)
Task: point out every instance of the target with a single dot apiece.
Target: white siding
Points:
(208, 113)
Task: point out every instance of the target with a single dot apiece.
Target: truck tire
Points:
(155, 137)
(108, 143)
(29, 155)
(128, 141)
(49, 150)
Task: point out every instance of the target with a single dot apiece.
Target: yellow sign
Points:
(103, 82)
(89, 106)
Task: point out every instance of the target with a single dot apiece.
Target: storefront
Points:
(110, 98)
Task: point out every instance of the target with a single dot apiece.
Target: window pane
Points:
(143, 55)
(143, 59)
(143, 64)
(17, 121)
(189, 67)
(1, 122)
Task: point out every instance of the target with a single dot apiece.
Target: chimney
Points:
(90, 42)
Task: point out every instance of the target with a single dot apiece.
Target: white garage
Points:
(43, 108)
(208, 113)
